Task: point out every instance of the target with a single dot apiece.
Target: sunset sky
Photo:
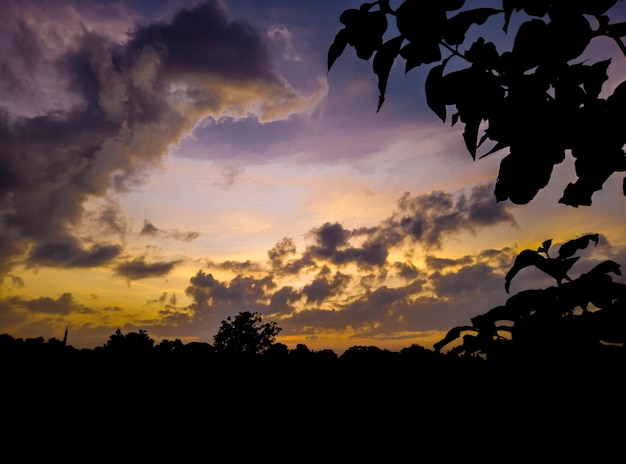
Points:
(166, 164)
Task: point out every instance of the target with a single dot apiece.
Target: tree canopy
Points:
(246, 333)
(537, 101)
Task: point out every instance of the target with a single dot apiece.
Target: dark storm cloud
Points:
(121, 104)
(138, 268)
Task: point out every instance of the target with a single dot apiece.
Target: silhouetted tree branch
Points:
(534, 100)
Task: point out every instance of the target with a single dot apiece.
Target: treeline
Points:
(139, 345)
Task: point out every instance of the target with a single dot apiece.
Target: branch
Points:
(452, 50)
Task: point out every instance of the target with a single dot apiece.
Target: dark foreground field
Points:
(371, 406)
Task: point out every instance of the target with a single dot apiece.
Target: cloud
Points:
(325, 285)
(63, 305)
(214, 299)
(68, 252)
(428, 218)
(122, 104)
(138, 268)
(280, 35)
(150, 229)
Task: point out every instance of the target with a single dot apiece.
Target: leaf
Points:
(509, 6)
(617, 30)
(383, 62)
(435, 90)
(419, 53)
(470, 135)
(497, 147)
(367, 6)
(457, 26)
(385, 7)
(569, 248)
(337, 47)
(529, 45)
(451, 5)
(545, 246)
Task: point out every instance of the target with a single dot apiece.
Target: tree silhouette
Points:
(245, 334)
(582, 315)
(532, 100)
(130, 343)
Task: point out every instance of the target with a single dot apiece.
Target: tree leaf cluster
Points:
(579, 316)
(534, 100)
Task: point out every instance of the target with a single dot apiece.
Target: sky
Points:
(167, 164)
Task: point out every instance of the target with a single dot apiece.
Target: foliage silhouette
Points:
(532, 100)
(578, 317)
(245, 334)
(130, 343)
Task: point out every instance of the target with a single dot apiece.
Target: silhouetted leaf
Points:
(383, 61)
(451, 5)
(545, 246)
(483, 54)
(596, 76)
(457, 26)
(570, 247)
(418, 53)
(523, 172)
(349, 16)
(617, 30)
(364, 30)
(497, 147)
(421, 22)
(595, 7)
(509, 6)
(566, 38)
(529, 45)
(470, 135)
(536, 7)
(367, 6)
(337, 47)
(385, 7)
(436, 90)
